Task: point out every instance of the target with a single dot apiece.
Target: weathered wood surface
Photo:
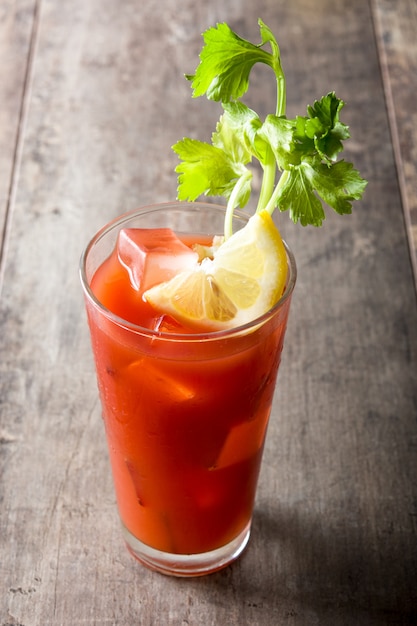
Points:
(396, 27)
(17, 26)
(334, 535)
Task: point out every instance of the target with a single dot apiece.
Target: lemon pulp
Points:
(243, 280)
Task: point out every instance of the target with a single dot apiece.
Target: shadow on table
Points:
(337, 568)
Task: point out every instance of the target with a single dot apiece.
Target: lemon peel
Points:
(243, 280)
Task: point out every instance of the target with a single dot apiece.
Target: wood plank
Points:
(335, 527)
(396, 27)
(17, 38)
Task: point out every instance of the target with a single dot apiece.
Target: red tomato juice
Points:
(185, 417)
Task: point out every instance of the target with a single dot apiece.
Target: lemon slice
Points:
(244, 280)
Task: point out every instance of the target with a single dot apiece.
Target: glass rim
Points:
(208, 335)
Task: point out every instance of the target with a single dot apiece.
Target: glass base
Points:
(187, 564)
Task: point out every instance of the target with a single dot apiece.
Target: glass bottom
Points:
(187, 564)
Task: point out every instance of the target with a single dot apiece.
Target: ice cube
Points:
(243, 442)
(153, 382)
(167, 324)
(151, 256)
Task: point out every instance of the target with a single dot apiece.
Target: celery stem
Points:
(268, 194)
(232, 203)
(281, 94)
(270, 207)
(268, 181)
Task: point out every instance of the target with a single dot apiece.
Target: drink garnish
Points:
(243, 280)
(299, 157)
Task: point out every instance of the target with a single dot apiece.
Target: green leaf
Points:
(279, 133)
(268, 37)
(234, 131)
(325, 128)
(298, 197)
(338, 184)
(242, 125)
(206, 169)
(226, 61)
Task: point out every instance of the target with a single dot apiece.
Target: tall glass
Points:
(185, 414)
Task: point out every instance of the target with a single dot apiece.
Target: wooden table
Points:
(91, 99)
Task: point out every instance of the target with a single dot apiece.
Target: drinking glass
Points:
(185, 414)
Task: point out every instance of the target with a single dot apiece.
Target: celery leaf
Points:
(207, 169)
(226, 61)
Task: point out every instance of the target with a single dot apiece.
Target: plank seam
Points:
(18, 149)
(395, 137)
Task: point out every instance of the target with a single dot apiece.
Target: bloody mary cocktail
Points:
(187, 349)
(185, 410)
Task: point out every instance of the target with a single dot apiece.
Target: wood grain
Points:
(17, 39)
(334, 533)
(396, 27)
